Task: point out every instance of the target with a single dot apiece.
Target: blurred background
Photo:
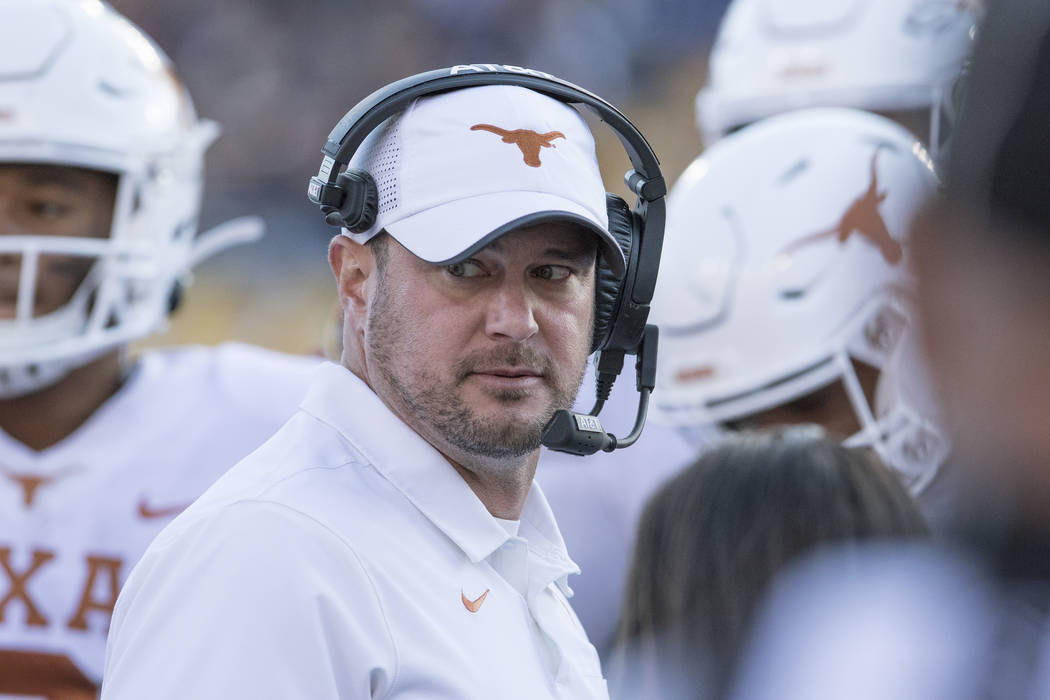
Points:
(278, 75)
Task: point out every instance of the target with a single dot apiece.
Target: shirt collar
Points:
(340, 399)
(550, 559)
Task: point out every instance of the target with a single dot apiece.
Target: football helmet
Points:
(784, 261)
(772, 56)
(82, 86)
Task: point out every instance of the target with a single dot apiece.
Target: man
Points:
(100, 175)
(970, 619)
(389, 540)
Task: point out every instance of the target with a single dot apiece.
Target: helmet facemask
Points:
(82, 87)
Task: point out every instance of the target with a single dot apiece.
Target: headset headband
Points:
(364, 118)
(644, 180)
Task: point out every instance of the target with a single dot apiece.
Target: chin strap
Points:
(582, 434)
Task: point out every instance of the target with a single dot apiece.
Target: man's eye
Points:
(552, 272)
(49, 208)
(466, 268)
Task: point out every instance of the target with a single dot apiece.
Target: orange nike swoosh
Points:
(147, 512)
(473, 605)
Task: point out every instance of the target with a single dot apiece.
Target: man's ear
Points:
(352, 264)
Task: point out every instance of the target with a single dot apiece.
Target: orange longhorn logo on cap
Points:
(864, 217)
(530, 142)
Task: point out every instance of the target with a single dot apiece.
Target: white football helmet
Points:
(772, 56)
(82, 86)
(784, 259)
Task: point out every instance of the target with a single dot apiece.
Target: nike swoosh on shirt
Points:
(473, 605)
(148, 512)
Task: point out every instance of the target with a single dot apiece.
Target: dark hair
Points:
(380, 247)
(712, 539)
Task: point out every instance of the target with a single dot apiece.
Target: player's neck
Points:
(46, 417)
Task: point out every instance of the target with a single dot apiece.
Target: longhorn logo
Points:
(30, 483)
(864, 217)
(530, 142)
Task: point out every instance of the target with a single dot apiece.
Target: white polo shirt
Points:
(346, 558)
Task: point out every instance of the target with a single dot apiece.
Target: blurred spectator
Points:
(711, 540)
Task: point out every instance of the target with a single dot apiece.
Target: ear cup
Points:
(608, 288)
(360, 204)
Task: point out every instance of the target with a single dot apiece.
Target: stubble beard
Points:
(438, 403)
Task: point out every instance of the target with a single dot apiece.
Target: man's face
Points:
(829, 407)
(476, 356)
(49, 200)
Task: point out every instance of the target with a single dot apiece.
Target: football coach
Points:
(389, 541)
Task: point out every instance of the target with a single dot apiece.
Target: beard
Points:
(438, 402)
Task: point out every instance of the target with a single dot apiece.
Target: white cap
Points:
(456, 170)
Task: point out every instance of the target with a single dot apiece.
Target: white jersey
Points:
(75, 517)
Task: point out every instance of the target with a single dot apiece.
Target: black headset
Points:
(349, 198)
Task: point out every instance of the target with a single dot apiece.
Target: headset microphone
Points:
(582, 433)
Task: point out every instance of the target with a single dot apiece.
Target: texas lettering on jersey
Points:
(86, 610)
(98, 570)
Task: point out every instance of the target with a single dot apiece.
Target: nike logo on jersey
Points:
(149, 512)
(474, 605)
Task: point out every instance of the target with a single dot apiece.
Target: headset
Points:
(348, 199)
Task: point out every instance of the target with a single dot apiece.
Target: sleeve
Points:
(255, 600)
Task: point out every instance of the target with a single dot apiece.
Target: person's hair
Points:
(713, 537)
(380, 247)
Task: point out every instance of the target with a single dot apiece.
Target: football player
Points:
(900, 58)
(101, 156)
(783, 286)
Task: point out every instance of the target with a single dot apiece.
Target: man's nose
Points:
(511, 313)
